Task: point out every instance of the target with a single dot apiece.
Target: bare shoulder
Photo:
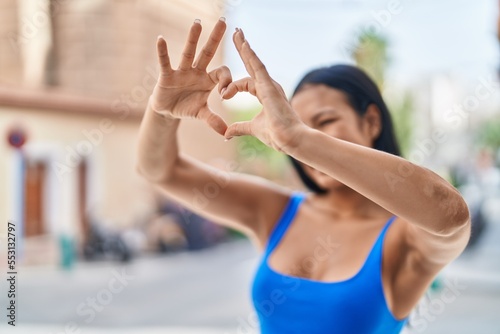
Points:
(273, 205)
(412, 258)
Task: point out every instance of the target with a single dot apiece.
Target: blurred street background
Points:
(99, 250)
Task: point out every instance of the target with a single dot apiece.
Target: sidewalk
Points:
(32, 329)
(209, 293)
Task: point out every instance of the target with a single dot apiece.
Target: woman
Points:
(356, 253)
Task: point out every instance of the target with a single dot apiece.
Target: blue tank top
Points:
(290, 304)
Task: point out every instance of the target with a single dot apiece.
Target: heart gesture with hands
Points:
(183, 93)
(277, 125)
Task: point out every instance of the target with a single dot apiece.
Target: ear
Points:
(373, 121)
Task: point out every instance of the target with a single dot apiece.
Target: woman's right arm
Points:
(247, 203)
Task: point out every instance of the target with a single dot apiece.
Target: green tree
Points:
(255, 155)
(488, 134)
(370, 54)
(402, 117)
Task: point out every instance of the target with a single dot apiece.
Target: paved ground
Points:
(204, 289)
(208, 292)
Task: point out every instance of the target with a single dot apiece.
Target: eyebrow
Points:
(321, 113)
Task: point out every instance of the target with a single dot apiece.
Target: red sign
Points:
(16, 137)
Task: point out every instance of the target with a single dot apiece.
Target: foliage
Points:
(488, 134)
(402, 117)
(370, 53)
(252, 150)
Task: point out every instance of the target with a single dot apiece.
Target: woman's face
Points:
(328, 110)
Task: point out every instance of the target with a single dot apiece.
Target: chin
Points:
(323, 180)
(329, 183)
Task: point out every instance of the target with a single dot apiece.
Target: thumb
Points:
(213, 120)
(238, 129)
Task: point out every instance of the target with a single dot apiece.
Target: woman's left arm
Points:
(411, 192)
(438, 218)
(437, 213)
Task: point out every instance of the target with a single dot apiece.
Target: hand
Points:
(277, 125)
(183, 93)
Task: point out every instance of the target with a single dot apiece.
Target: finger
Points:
(213, 120)
(162, 51)
(238, 41)
(242, 85)
(208, 51)
(190, 48)
(238, 129)
(253, 64)
(221, 75)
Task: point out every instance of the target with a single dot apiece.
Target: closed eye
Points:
(327, 121)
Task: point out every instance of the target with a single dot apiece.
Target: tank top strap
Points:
(374, 259)
(386, 226)
(284, 221)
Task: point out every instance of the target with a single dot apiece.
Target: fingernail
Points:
(228, 139)
(222, 93)
(197, 21)
(236, 29)
(159, 37)
(222, 18)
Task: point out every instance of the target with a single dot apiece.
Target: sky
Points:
(426, 37)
